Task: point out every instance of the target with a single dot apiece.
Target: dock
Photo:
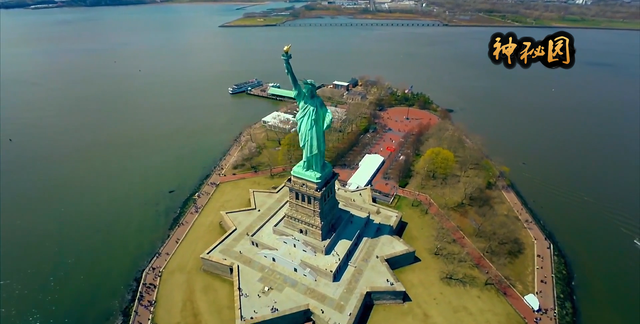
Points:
(263, 92)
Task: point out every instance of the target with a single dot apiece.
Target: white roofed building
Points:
(367, 169)
(279, 122)
(345, 86)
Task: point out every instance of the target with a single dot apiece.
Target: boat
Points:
(46, 6)
(245, 86)
(637, 241)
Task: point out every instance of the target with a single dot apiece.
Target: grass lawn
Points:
(257, 21)
(482, 212)
(518, 272)
(433, 301)
(188, 295)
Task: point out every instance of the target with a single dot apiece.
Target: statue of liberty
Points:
(313, 119)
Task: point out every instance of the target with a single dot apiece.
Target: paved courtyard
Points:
(267, 288)
(395, 123)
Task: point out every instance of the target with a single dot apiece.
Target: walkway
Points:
(544, 278)
(512, 296)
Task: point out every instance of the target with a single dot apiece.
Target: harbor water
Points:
(103, 111)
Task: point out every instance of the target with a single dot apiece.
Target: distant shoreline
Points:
(372, 17)
(543, 26)
(444, 24)
(385, 17)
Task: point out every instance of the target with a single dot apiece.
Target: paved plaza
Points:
(269, 287)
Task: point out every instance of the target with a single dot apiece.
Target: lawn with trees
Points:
(463, 182)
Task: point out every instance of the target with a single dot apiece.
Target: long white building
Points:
(367, 170)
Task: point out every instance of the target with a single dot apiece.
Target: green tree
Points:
(490, 174)
(290, 150)
(439, 162)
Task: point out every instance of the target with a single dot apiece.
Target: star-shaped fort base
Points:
(277, 271)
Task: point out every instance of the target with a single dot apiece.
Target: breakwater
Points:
(134, 287)
(566, 305)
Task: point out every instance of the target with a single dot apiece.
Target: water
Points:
(110, 108)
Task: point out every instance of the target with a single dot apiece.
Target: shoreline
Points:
(444, 24)
(133, 291)
(564, 278)
(247, 4)
(568, 312)
(544, 26)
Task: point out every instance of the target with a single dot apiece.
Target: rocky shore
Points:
(565, 296)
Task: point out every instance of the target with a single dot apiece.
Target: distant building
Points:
(279, 122)
(341, 85)
(401, 5)
(355, 96)
(354, 82)
(343, 3)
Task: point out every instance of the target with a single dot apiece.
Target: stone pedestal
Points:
(313, 207)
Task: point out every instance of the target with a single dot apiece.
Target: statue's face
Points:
(310, 90)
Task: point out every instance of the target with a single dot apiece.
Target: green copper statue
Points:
(313, 119)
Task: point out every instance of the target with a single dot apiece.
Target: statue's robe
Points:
(313, 118)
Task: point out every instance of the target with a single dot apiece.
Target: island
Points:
(352, 198)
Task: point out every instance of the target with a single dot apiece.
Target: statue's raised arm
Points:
(313, 119)
(297, 89)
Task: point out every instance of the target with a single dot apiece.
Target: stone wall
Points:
(322, 273)
(364, 302)
(226, 222)
(387, 297)
(291, 265)
(383, 295)
(261, 245)
(401, 259)
(219, 267)
(300, 314)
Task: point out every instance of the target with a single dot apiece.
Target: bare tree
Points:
(455, 275)
(249, 153)
(442, 235)
(469, 188)
(272, 160)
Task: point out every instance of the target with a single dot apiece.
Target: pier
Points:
(263, 92)
(364, 24)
